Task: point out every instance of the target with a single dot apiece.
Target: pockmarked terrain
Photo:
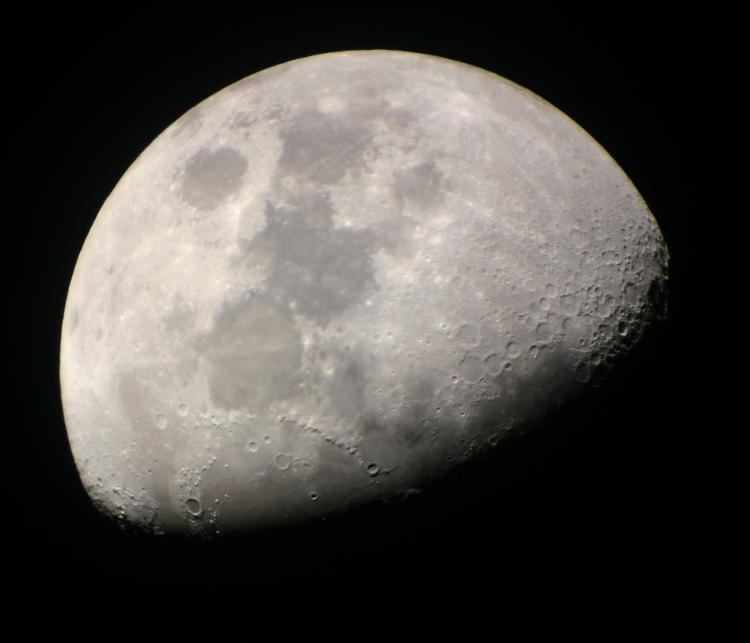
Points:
(337, 280)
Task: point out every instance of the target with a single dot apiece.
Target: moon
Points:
(336, 281)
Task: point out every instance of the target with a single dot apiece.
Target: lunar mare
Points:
(335, 281)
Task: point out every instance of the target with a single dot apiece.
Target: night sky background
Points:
(637, 490)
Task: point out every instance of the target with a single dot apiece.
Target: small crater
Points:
(493, 363)
(313, 496)
(193, 506)
(544, 332)
(568, 304)
(471, 368)
(513, 350)
(252, 446)
(467, 335)
(182, 410)
(161, 422)
(282, 461)
(373, 469)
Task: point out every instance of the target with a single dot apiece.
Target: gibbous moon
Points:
(338, 279)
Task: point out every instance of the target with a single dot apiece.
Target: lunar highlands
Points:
(338, 280)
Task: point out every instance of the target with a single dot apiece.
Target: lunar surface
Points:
(337, 280)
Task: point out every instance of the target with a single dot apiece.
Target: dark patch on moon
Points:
(246, 119)
(323, 147)
(415, 412)
(242, 120)
(254, 352)
(317, 270)
(347, 390)
(419, 184)
(210, 177)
